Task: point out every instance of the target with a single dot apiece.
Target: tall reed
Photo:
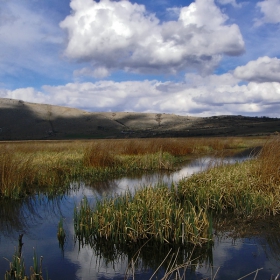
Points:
(151, 213)
(268, 164)
(246, 189)
(49, 166)
(15, 173)
(98, 156)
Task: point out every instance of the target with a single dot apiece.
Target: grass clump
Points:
(247, 189)
(268, 164)
(97, 156)
(151, 213)
(156, 161)
(15, 173)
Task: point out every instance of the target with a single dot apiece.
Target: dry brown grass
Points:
(174, 146)
(15, 172)
(98, 155)
(24, 165)
(268, 167)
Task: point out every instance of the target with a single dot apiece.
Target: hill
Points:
(21, 120)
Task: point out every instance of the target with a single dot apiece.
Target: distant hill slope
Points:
(26, 121)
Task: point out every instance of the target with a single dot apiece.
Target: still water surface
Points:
(37, 218)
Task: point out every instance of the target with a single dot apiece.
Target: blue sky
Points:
(200, 58)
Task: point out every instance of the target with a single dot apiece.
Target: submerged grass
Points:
(17, 266)
(61, 235)
(46, 166)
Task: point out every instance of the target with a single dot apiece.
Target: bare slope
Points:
(23, 121)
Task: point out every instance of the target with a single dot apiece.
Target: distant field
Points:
(30, 121)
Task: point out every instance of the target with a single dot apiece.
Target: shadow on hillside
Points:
(29, 121)
(36, 122)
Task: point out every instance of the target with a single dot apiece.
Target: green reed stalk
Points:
(149, 213)
(17, 266)
(244, 189)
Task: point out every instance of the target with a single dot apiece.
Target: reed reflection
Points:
(151, 256)
(102, 187)
(23, 214)
(18, 216)
(274, 245)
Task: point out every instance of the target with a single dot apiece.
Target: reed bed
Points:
(176, 146)
(268, 165)
(15, 173)
(151, 213)
(46, 166)
(247, 189)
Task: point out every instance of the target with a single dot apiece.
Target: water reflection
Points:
(23, 214)
(140, 262)
(14, 216)
(239, 257)
(137, 181)
(38, 217)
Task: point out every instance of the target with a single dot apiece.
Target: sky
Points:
(198, 58)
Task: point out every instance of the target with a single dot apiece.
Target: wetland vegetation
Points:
(151, 219)
(49, 166)
(183, 213)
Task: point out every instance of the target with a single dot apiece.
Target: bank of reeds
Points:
(247, 189)
(46, 166)
(175, 146)
(15, 173)
(268, 165)
(21, 174)
(99, 157)
(151, 213)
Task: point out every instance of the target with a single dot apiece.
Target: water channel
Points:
(37, 218)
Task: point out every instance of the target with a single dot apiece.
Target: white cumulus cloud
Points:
(264, 69)
(270, 10)
(231, 2)
(198, 96)
(122, 35)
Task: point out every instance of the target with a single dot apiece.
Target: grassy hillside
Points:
(27, 121)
